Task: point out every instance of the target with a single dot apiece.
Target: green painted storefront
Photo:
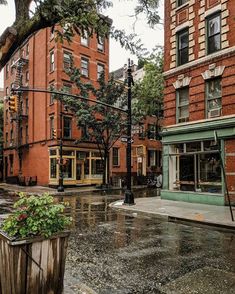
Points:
(183, 134)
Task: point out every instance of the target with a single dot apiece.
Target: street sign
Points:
(124, 140)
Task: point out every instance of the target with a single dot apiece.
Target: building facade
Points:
(146, 156)
(32, 133)
(199, 106)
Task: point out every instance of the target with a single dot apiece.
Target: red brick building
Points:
(31, 135)
(199, 102)
(146, 145)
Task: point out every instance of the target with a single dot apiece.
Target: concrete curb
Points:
(130, 209)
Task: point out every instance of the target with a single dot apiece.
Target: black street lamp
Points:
(61, 175)
(129, 197)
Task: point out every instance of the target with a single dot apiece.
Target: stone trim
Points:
(213, 10)
(182, 81)
(204, 59)
(213, 71)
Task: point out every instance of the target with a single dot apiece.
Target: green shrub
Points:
(36, 216)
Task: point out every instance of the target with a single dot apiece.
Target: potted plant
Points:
(33, 244)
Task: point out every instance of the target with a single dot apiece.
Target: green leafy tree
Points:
(75, 16)
(148, 92)
(100, 124)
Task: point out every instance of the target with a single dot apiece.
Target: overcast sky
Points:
(121, 15)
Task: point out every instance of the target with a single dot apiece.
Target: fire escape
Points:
(21, 115)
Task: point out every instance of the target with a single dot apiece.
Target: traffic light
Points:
(54, 134)
(13, 103)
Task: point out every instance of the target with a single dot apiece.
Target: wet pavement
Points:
(118, 252)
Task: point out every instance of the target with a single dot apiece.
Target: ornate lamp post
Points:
(129, 197)
(61, 175)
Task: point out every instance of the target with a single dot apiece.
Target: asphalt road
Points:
(115, 253)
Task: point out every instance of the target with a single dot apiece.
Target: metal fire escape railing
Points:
(19, 115)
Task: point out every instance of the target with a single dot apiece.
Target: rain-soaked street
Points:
(114, 252)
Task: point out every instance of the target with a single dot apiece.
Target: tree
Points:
(101, 124)
(148, 93)
(75, 16)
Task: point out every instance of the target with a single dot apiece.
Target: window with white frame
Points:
(85, 39)
(67, 60)
(85, 67)
(7, 70)
(182, 110)
(151, 131)
(213, 97)
(181, 2)
(52, 126)
(116, 156)
(52, 96)
(100, 44)
(52, 61)
(182, 47)
(213, 33)
(100, 70)
(195, 166)
(67, 127)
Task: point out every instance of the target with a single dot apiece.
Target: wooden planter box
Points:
(32, 266)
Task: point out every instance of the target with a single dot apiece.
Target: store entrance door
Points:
(80, 171)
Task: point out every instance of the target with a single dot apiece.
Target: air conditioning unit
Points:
(214, 112)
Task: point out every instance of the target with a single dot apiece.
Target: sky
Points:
(121, 15)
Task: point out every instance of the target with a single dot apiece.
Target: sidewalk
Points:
(201, 214)
(170, 210)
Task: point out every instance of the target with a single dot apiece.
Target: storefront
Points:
(79, 166)
(194, 158)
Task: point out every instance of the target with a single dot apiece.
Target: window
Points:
(182, 105)
(85, 67)
(6, 138)
(68, 168)
(6, 116)
(26, 106)
(51, 88)
(115, 156)
(26, 134)
(182, 43)
(67, 60)
(53, 164)
(85, 39)
(100, 45)
(100, 70)
(52, 61)
(213, 97)
(151, 131)
(52, 126)
(27, 76)
(154, 158)
(11, 137)
(181, 2)
(141, 131)
(27, 49)
(12, 65)
(11, 158)
(21, 135)
(67, 127)
(7, 91)
(195, 166)
(213, 33)
(7, 71)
